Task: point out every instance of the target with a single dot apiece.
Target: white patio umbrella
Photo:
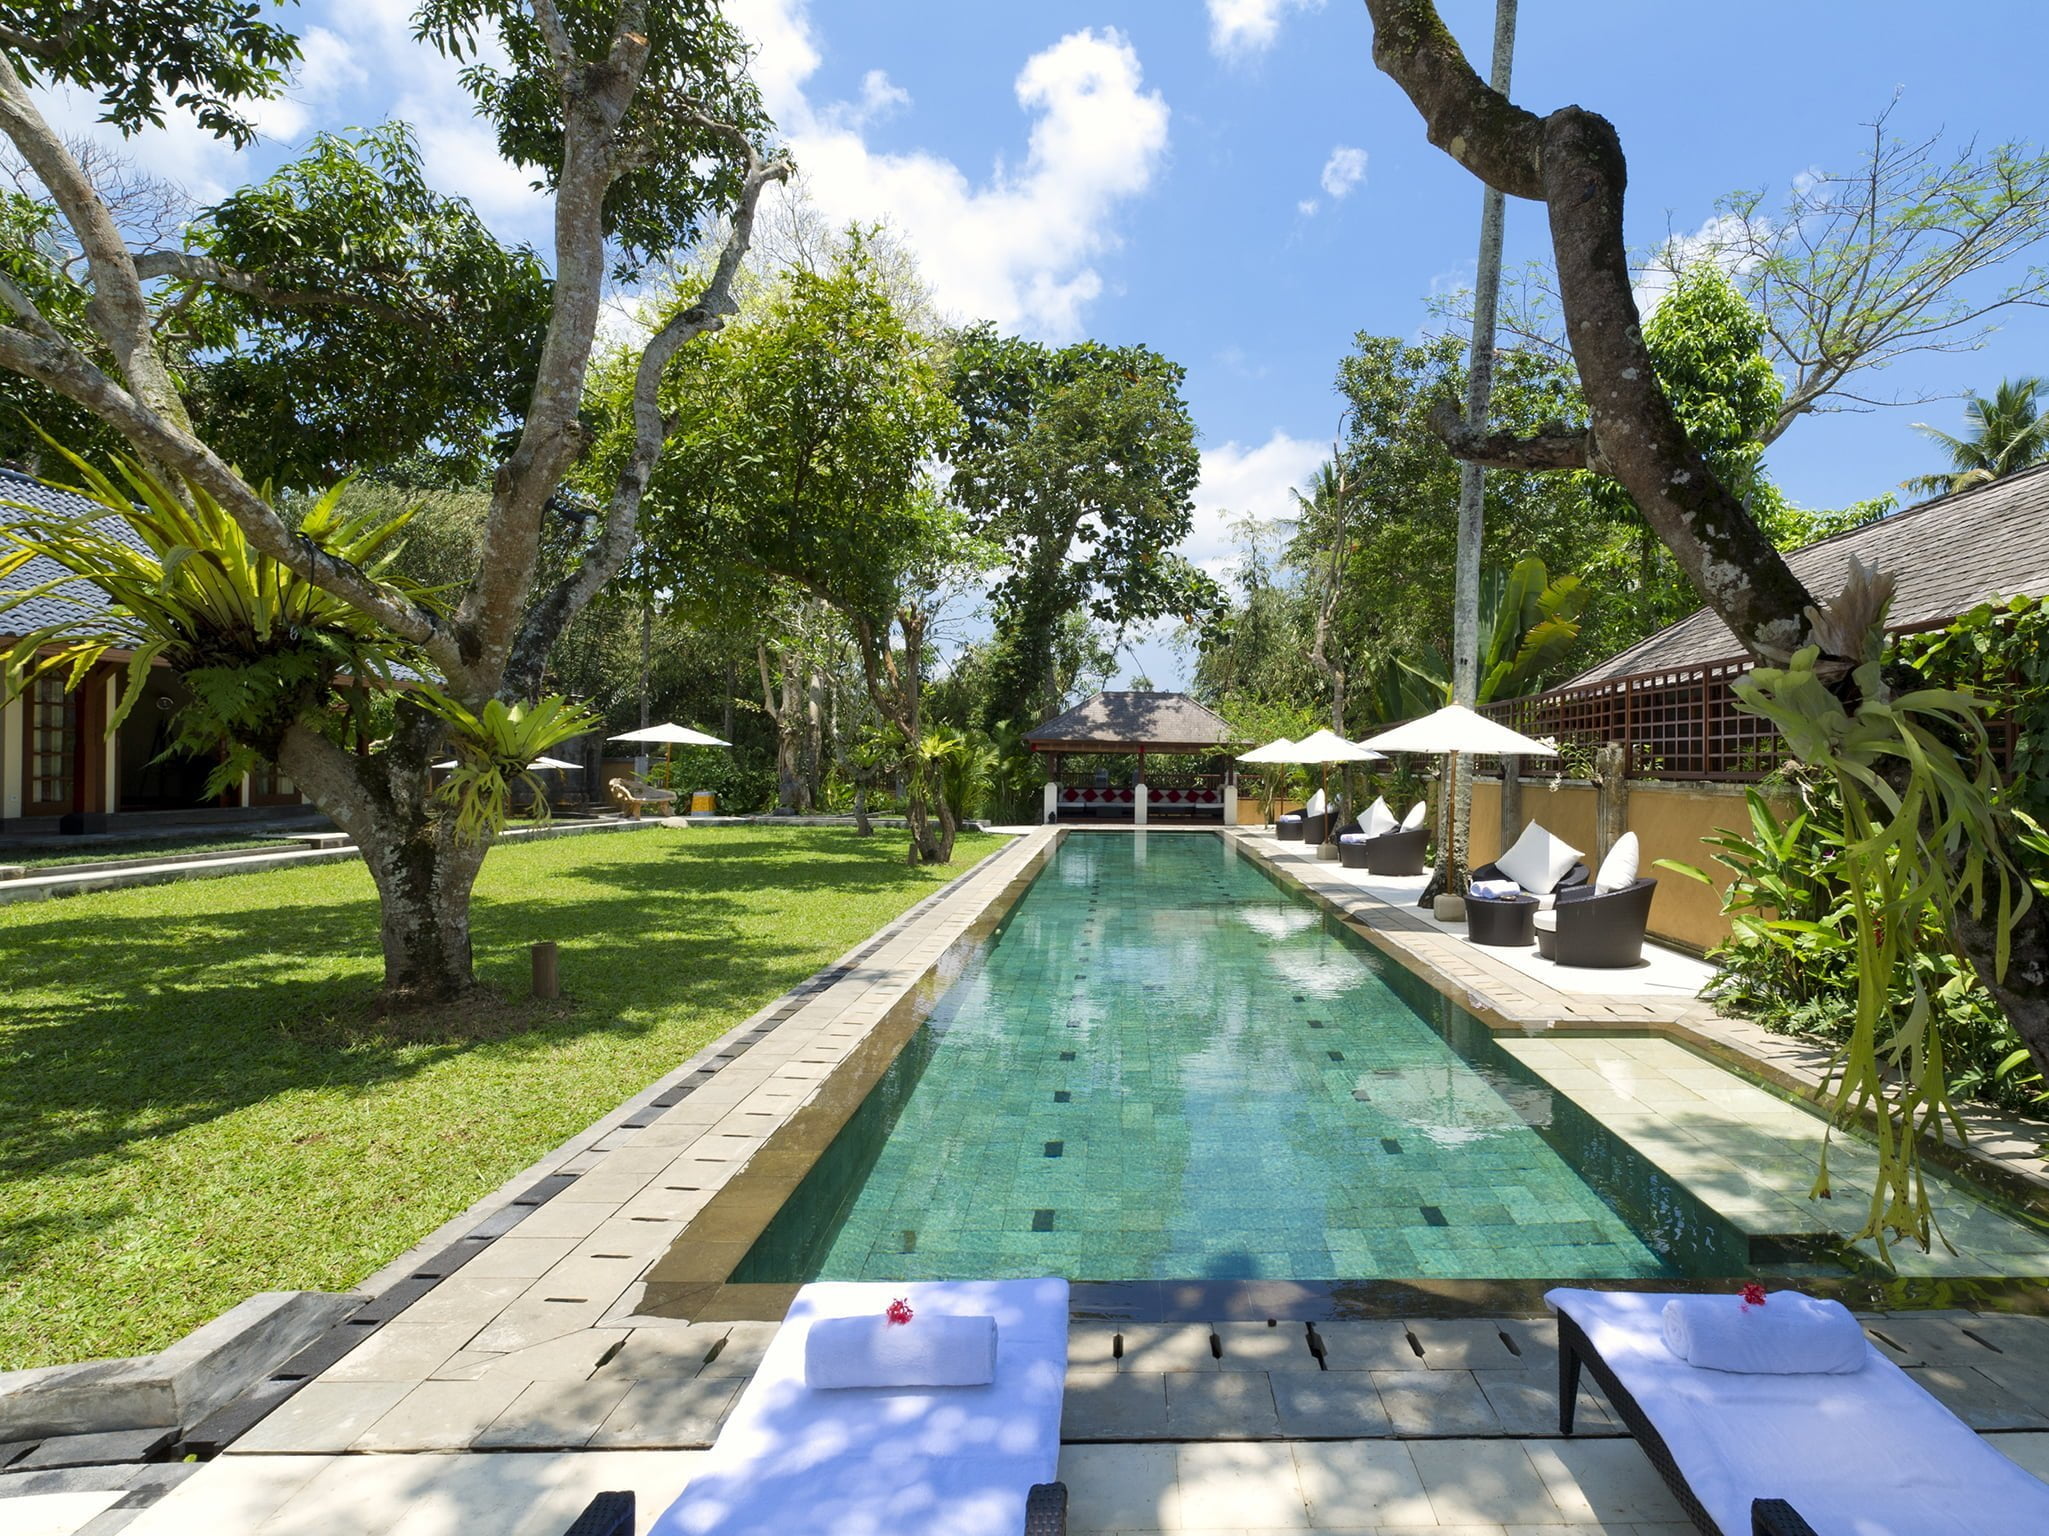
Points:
(1452, 730)
(672, 735)
(1326, 747)
(1273, 753)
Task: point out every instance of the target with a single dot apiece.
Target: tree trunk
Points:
(1472, 485)
(422, 873)
(787, 716)
(424, 882)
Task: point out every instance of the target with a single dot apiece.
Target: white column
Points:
(1052, 800)
(13, 728)
(1138, 793)
(1230, 805)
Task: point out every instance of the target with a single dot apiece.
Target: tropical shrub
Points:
(1790, 961)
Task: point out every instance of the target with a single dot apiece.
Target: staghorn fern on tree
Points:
(259, 646)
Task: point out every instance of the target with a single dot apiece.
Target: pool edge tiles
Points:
(1170, 980)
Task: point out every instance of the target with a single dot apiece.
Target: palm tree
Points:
(2008, 433)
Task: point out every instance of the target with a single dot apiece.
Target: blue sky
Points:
(1143, 170)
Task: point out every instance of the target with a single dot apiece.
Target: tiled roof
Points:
(1110, 722)
(20, 616)
(1947, 555)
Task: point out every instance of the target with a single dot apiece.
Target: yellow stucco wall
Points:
(1669, 821)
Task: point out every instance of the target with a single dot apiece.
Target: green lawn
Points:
(195, 1105)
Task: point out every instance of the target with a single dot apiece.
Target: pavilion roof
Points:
(1126, 720)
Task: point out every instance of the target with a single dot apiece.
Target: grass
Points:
(195, 1103)
(38, 857)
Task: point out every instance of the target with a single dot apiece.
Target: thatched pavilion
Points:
(1145, 727)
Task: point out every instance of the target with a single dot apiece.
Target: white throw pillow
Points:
(1538, 861)
(1619, 868)
(1415, 817)
(1376, 820)
(1315, 805)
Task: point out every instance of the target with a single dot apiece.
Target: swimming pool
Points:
(1163, 1065)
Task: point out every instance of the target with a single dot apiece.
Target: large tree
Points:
(1571, 162)
(1080, 463)
(804, 443)
(637, 118)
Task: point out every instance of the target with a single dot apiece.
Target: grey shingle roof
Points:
(20, 616)
(1948, 556)
(1120, 721)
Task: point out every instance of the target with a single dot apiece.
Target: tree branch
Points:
(1581, 177)
(546, 619)
(117, 310)
(1553, 446)
(187, 268)
(53, 362)
(555, 37)
(1476, 125)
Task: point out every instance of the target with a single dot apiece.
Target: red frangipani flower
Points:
(899, 1311)
(1753, 1295)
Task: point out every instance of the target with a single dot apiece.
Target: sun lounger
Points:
(1867, 1453)
(928, 1461)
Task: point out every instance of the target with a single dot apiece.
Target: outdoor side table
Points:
(1510, 924)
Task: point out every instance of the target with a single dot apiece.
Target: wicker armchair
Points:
(1595, 928)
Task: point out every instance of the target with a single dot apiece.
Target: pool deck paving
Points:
(536, 1374)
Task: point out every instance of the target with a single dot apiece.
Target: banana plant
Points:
(1530, 622)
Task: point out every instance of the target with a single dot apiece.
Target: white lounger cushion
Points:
(943, 1461)
(1315, 807)
(1415, 817)
(1619, 868)
(1538, 861)
(1864, 1454)
(1376, 820)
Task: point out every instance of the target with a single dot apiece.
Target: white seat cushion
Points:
(1547, 918)
(1415, 817)
(1376, 820)
(1619, 868)
(1538, 861)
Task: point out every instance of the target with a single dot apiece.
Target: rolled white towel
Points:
(1494, 890)
(1787, 1334)
(931, 1350)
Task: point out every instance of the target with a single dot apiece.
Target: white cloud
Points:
(1237, 481)
(1719, 239)
(1238, 28)
(1344, 170)
(1307, 207)
(1017, 246)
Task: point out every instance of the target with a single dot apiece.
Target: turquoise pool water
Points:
(1165, 1066)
